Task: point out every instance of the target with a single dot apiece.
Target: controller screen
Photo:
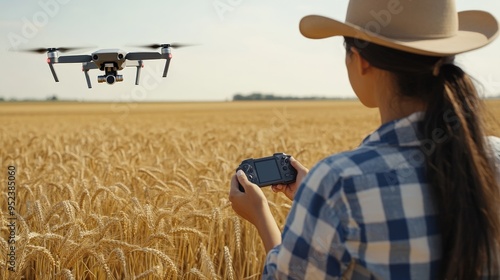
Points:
(267, 171)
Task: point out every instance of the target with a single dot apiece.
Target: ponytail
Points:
(462, 177)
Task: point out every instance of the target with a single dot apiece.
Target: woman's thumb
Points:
(244, 182)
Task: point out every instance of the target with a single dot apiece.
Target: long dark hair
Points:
(459, 167)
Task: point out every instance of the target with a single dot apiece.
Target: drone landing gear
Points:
(87, 78)
(86, 66)
(167, 64)
(52, 70)
(138, 73)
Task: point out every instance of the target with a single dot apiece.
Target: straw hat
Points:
(426, 27)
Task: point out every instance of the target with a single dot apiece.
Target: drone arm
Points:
(74, 59)
(53, 71)
(143, 56)
(89, 66)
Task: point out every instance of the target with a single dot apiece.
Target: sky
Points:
(241, 47)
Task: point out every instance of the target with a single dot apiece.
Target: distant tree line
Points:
(256, 96)
(261, 96)
(50, 98)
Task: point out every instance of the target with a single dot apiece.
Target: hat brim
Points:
(476, 29)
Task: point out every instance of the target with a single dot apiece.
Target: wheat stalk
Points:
(62, 226)
(102, 262)
(153, 271)
(44, 252)
(75, 157)
(69, 189)
(195, 215)
(161, 236)
(237, 233)
(66, 273)
(177, 184)
(149, 173)
(99, 190)
(186, 230)
(166, 259)
(197, 273)
(180, 204)
(58, 155)
(68, 210)
(38, 211)
(85, 195)
(125, 171)
(229, 263)
(123, 187)
(125, 225)
(148, 210)
(121, 257)
(28, 189)
(186, 180)
(207, 261)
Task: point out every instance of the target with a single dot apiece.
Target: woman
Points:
(418, 198)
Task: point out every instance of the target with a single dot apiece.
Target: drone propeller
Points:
(173, 45)
(62, 49)
(55, 58)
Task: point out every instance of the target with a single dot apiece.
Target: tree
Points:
(52, 98)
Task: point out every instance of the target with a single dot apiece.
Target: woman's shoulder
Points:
(348, 163)
(371, 159)
(335, 167)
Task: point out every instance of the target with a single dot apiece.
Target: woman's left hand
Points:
(251, 204)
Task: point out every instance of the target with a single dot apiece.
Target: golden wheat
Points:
(143, 194)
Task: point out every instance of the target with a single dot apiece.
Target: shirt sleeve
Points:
(314, 234)
(495, 146)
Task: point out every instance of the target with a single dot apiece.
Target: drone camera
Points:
(120, 56)
(95, 57)
(110, 79)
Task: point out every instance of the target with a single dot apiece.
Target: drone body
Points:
(110, 61)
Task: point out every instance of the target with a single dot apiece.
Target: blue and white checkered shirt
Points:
(366, 212)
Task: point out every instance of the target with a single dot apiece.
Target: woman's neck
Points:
(389, 113)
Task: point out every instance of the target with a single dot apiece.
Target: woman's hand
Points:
(290, 189)
(252, 206)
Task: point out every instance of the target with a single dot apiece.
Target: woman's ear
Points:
(361, 65)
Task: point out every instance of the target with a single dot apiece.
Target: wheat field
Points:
(140, 191)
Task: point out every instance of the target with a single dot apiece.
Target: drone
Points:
(110, 61)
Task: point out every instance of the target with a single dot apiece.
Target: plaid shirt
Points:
(366, 212)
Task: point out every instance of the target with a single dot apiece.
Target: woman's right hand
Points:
(290, 189)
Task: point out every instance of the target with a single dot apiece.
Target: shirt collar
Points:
(401, 132)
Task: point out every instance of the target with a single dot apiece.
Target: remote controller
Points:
(273, 170)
